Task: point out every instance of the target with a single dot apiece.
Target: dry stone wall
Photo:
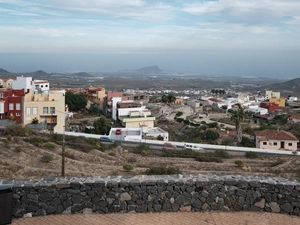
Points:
(121, 194)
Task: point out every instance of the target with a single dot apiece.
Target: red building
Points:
(11, 104)
(271, 106)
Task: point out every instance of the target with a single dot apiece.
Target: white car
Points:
(192, 146)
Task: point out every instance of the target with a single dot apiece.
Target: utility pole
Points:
(63, 156)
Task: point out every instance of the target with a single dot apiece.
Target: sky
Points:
(217, 37)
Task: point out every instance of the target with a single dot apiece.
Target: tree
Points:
(238, 117)
(168, 98)
(75, 102)
(210, 135)
(94, 110)
(102, 125)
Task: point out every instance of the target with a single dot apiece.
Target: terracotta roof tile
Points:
(275, 135)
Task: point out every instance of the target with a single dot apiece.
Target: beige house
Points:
(47, 108)
(6, 82)
(272, 94)
(272, 139)
(96, 95)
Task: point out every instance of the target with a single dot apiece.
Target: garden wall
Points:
(122, 194)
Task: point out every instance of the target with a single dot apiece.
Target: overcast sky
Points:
(225, 37)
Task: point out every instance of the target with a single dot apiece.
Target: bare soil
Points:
(19, 160)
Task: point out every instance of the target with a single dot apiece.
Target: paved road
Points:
(178, 218)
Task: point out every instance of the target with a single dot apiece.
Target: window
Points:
(52, 110)
(46, 85)
(1, 94)
(18, 114)
(264, 143)
(11, 106)
(274, 143)
(290, 144)
(45, 110)
(18, 106)
(34, 110)
(27, 110)
(42, 86)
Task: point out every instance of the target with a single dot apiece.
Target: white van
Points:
(192, 146)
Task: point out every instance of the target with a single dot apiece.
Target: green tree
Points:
(168, 98)
(75, 102)
(238, 117)
(102, 125)
(94, 110)
(210, 135)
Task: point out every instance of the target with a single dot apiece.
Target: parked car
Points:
(169, 145)
(192, 146)
(106, 139)
(118, 131)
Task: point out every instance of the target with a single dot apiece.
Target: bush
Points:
(209, 159)
(160, 170)
(239, 163)
(251, 155)
(178, 114)
(18, 149)
(222, 154)
(143, 149)
(185, 153)
(132, 160)
(50, 145)
(128, 167)
(35, 140)
(69, 155)
(17, 130)
(47, 158)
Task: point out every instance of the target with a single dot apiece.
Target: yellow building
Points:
(47, 108)
(96, 95)
(6, 82)
(272, 94)
(278, 101)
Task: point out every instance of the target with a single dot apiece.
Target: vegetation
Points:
(128, 167)
(251, 155)
(239, 163)
(221, 154)
(207, 158)
(94, 111)
(143, 149)
(168, 98)
(47, 158)
(35, 121)
(50, 145)
(178, 114)
(18, 149)
(238, 117)
(161, 170)
(102, 125)
(18, 130)
(210, 135)
(76, 102)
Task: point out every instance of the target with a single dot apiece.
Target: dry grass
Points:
(27, 163)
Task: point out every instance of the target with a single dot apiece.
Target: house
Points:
(6, 82)
(295, 118)
(11, 104)
(279, 101)
(272, 94)
(109, 104)
(48, 108)
(272, 139)
(270, 106)
(95, 95)
(143, 98)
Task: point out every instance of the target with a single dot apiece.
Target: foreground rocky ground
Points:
(20, 159)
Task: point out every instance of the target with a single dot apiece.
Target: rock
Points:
(27, 215)
(125, 197)
(185, 208)
(260, 204)
(274, 207)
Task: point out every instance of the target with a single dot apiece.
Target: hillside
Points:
(149, 69)
(21, 159)
(291, 87)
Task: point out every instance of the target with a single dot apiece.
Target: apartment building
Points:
(96, 95)
(6, 82)
(48, 108)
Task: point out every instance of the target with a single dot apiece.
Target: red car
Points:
(118, 131)
(169, 145)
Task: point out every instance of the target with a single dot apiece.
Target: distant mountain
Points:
(291, 87)
(3, 71)
(81, 74)
(37, 73)
(149, 69)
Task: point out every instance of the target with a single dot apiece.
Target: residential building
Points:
(270, 106)
(133, 115)
(108, 103)
(6, 82)
(272, 139)
(295, 118)
(272, 94)
(48, 108)
(11, 104)
(96, 95)
(195, 104)
(36, 86)
(279, 101)
(142, 98)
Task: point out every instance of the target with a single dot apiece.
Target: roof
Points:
(295, 117)
(215, 100)
(275, 135)
(128, 104)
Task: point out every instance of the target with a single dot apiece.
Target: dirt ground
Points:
(19, 159)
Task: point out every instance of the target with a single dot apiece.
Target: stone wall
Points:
(174, 193)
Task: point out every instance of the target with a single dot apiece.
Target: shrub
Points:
(185, 153)
(9, 137)
(128, 167)
(35, 121)
(69, 155)
(239, 163)
(47, 158)
(18, 149)
(112, 153)
(115, 172)
(209, 159)
(251, 155)
(143, 149)
(50, 145)
(179, 114)
(132, 160)
(17, 130)
(160, 170)
(35, 140)
(160, 138)
(222, 154)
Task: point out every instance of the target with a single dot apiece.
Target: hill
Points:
(3, 71)
(291, 87)
(149, 69)
(81, 74)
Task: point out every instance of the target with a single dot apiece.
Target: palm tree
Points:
(238, 116)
